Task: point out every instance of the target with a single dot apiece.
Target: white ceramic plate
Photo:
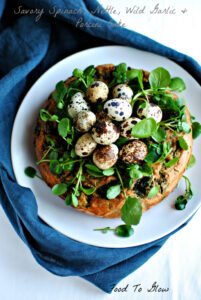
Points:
(156, 222)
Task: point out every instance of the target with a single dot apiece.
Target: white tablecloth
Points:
(176, 268)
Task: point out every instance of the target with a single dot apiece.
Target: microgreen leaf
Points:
(182, 143)
(144, 128)
(191, 162)
(124, 230)
(59, 189)
(196, 126)
(45, 115)
(77, 72)
(113, 191)
(108, 172)
(93, 168)
(177, 84)
(61, 91)
(30, 172)
(64, 127)
(159, 135)
(131, 211)
(55, 167)
(159, 78)
(153, 192)
(68, 200)
(185, 127)
(87, 191)
(74, 200)
(172, 162)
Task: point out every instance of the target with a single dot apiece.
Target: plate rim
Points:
(12, 147)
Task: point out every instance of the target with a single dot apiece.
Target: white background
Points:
(177, 265)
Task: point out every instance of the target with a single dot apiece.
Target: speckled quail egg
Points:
(150, 111)
(123, 91)
(133, 152)
(102, 117)
(105, 157)
(105, 133)
(85, 145)
(118, 109)
(85, 120)
(97, 92)
(126, 127)
(77, 104)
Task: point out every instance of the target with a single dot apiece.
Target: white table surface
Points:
(177, 266)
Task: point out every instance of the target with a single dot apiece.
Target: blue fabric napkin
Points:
(27, 49)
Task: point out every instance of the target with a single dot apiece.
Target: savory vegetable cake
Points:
(114, 141)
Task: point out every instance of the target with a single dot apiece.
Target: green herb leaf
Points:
(95, 174)
(68, 200)
(61, 91)
(196, 126)
(93, 168)
(153, 192)
(121, 141)
(172, 162)
(177, 84)
(64, 127)
(53, 155)
(30, 172)
(131, 211)
(108, 172)
(191, 162)
(159, 78)
(144, 128)
(124, 230)
(182, 200)
(74, 200)
(147, 170)
(77, 72)
(88, 191)
(165, 153)
(132, 74)
(59, 189)
(185, 127)
(159, 135)
(182, 143)
(55, 167)
(45, 115)
(49, 139)
(113, 191)
(135, 173)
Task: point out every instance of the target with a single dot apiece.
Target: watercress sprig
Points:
(182, 200)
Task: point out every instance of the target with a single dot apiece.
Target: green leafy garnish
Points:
(113, 191)
(59, 189)
(182, 200)
(182, 143)
(108, 172)
(159, 78)
(64, 127)
(144, 128)
(172, 162)
(30, 172)
(159, 135)
(177, 84)
(61, 91)
(191, 162)
(153, 192)
(196, 126)
(121, 230)
(131, 211)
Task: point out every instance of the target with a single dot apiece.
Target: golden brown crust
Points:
(97, 204)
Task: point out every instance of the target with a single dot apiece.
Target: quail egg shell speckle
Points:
(105, 133)
(123, 91)
(126, 127)
(85, 145)
(85, 120)
(105, 157)
(97, 92)
(150, 111)
(133, 152)
(118, 109)
(77, 104)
